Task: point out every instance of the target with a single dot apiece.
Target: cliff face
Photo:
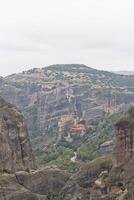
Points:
(124, 153)
(120, 181)
(19, 178)
(15, 147)
(125, 138)
(44, 95)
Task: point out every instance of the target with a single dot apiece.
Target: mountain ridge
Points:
(67, 66)
(66, 87)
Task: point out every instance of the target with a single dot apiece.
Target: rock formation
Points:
(44, 95)
(80, 185)
(15, 147)
(120, 181)
(125, 138)
(19, 177)
(108, 178)
(35, 185)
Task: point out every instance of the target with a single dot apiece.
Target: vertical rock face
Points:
(125, 141)
(17, 181)
(15, 147)
(120, 182)
(125, 153)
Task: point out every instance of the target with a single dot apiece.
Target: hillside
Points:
(110, 177)
(71, 116)
(55, 98)
(44, 95)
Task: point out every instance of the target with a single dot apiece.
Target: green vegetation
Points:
(88, 151)
(94, 75)
(100, 162)
(49, 152)
(105, 131)
(53, 196)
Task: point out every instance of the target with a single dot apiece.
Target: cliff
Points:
(119, 183)
(46, 94)
(15, 147)
(125, 138)
(19, 177)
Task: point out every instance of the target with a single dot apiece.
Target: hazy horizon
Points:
(99, 34)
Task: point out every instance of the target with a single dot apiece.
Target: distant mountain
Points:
(124, 72)
(46, 94)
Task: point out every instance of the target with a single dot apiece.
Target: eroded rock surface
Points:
(120, 183)
(19, 177)
(108, 178)
(15, 147)
(43, 182)
(44, 95)
(80, 185)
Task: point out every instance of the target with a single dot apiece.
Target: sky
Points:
(37, 33)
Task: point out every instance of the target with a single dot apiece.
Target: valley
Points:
(67, 109)
(72, 113)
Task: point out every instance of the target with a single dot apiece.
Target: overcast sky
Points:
(36, 33)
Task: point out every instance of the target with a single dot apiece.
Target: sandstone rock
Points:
(101, 181)
(80, 184)
(120, 182)
(19, 178)
(15, 147)
(10, 189)
(43, 182)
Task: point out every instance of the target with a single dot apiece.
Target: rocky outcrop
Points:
(45, 181)
(10, 189)
(35, 185)
(125, 138)
(19, 177)
(15, 147)
(108, 179)
(119, 183)
(80, 185)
